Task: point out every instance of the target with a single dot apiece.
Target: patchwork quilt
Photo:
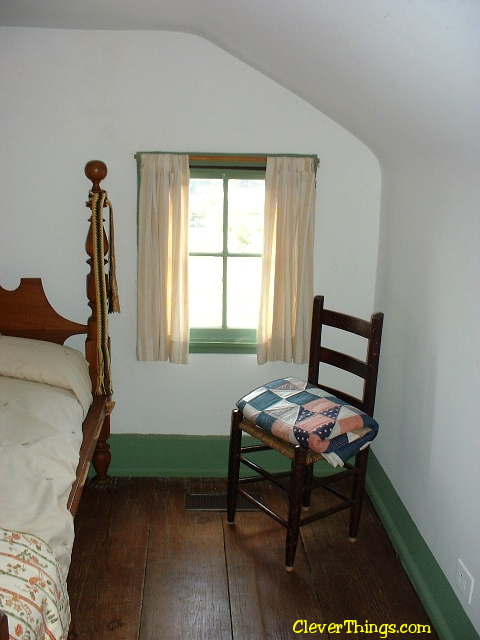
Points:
(301, 413)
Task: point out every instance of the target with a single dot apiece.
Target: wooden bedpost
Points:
(96, 171)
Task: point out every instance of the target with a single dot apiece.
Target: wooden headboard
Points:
(27, 313)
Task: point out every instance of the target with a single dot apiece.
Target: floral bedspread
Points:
(33, 592)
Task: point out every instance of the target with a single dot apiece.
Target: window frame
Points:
(224, 339)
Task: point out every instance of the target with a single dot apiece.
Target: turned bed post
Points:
(96, 171)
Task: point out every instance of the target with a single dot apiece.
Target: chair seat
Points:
(299, 413)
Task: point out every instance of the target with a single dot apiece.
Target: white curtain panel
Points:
(162, 300)
(287, 271)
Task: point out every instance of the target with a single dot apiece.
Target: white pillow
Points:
(46, 362)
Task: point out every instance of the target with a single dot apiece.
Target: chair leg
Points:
(307, 494)
(358, 492)
(234, 464)
(297, 479)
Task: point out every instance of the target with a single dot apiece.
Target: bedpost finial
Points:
(96, 171)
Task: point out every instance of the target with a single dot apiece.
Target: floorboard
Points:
(265, 599)
(109, 560)
(160, 572)
(364, 579)
(186, 589)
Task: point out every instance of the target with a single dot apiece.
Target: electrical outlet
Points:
(464, 581)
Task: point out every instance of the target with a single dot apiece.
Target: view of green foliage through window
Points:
(225, 245)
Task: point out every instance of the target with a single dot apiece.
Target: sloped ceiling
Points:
(401, 75)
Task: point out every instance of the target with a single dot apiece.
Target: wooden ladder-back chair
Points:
(331, 408)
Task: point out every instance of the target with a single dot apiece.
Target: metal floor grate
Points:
(216, 502)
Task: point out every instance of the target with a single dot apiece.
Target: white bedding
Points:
(39, 456)
(45, 392)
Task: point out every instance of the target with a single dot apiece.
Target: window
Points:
(226, 210)
(226, 261)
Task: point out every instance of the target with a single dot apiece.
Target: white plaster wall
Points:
(429, 388)
(71, 96)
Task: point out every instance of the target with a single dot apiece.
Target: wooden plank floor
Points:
(143, 568)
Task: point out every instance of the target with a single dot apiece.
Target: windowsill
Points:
(222, 347)
(216, 340)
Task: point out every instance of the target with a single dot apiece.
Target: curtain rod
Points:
(260, 159)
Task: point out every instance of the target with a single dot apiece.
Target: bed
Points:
(55, 406)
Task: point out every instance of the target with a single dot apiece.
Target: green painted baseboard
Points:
(207, 456)
(438, 597)
(168, 456)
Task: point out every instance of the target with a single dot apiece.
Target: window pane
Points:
(206, 215)
(245, 215)
(243, 297)
(205, 291)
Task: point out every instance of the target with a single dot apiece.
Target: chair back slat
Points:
(345, 322)
(365, 369)
(343, 361)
